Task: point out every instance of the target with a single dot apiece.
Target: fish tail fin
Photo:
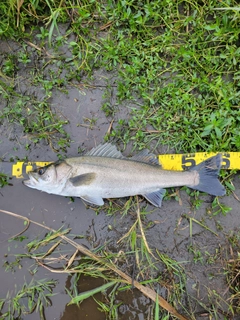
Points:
(208, 171)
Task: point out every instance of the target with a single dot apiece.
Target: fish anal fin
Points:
(83, 179)
(98, 201)
(156, 197)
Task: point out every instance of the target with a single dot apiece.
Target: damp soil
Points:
(170, 232)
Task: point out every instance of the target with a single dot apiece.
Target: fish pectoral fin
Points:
(83, 179)
(156, 197)
(94, 200)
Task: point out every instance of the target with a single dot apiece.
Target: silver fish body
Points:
(105, 173)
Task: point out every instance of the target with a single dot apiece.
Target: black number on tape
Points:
(188, 162)
(225, 161)
(24, 167)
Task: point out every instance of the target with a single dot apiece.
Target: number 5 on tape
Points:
(230, 160)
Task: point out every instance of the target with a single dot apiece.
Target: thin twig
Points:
(25, 229)
(141, 229)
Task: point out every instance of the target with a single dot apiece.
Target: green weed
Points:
(33, 296)
(218, 207)
(4, 180)
(197, 254)
(38, 120)
(233, 280)
(80, 297)
(176, 62)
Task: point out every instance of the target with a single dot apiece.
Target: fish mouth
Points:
(31, 182)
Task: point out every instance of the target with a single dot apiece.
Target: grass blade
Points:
(156, 309)
(90, 293)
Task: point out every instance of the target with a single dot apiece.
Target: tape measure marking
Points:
(20, 168)
(180, 162)
(230, 160)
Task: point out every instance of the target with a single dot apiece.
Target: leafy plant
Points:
(33, 296)
(4, 180)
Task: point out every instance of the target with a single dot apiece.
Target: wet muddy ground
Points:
(202, 251)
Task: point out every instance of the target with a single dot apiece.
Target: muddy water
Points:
(170, 234)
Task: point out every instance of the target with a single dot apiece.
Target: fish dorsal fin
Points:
(147, 157)
(105, 150)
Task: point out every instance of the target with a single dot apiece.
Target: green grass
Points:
(177, 67)
(32, 297)
(3, 180)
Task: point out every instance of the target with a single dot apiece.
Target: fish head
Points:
(42, 178)
(50, 178)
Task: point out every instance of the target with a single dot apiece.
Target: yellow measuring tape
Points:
(230, 160)
(21, 168)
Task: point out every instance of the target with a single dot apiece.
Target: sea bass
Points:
(104, 172)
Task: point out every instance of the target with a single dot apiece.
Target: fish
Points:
(104, 172)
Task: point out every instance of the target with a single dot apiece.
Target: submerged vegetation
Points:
(33, 296)
(175, 66)
(154, 274)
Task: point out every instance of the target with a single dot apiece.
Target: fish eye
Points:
(41, 171)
